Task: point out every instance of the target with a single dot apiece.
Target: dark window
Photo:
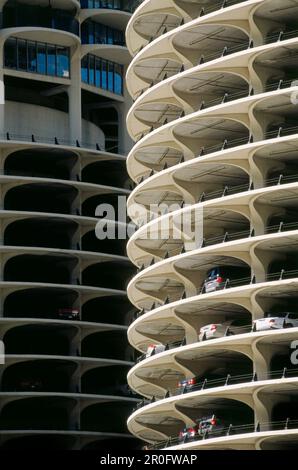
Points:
(37, 57)
(102, 73)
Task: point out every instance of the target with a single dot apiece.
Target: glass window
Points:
(84, 69)
(32, 56)
(118, 80)
(51, 60)
(111, 77)
(10, 53)
(98, 72)
(41, 58)
(22, 54)
(63, 65)
(91, 70)
(104, 75)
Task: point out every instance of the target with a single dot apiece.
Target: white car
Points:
(155, 349)
(275, 322)
(218, 330)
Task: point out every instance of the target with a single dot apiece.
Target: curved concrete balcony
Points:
(168, 233)
(206, 85)
(214, 120)
(207, 177)
(185, 274)
(276, 435)
(113, 52)
(211, 130)
(150, 20)
(67, 439)
(171, 323)
(171, 53)
(115, 18)
(246, 108)
(182, 45)
(182, 408)
(158, 375)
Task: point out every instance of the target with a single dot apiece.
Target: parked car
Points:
(202, 426)
(211, 424)
(218, 276)
(227, 328)
(68, 314)
(276, 321)
(29, 384)
(187, 385)
(155, 349)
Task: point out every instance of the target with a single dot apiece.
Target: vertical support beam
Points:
(74, 97)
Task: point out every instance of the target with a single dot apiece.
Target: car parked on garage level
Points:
(227, 328)
(155, 349)
(218, 277)
(29, 384)
(68, 314)
(201, 427)
(275, 321)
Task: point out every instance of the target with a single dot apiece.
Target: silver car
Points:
(155, 349)
(227, 328)
(277, 321)
(220, 276)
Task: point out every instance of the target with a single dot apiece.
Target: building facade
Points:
(64, 311)
(214, 121)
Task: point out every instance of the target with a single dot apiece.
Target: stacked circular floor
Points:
(214, 121)
(64, 310)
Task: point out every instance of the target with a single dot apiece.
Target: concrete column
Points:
(74, 97)
(125, 142)
(2, 91)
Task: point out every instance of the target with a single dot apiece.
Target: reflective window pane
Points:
(32, 56)
(102, 73)
(63, 66)
(22, 54)
(41, 58)
(10, 53)
(37, 57)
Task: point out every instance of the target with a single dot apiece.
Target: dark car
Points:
(68, 314)
(29, 384)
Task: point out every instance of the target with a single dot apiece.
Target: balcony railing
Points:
(226, 98)
(249, 44)
(124, 5)
(54, 140)
(225, 381)
(231, 429)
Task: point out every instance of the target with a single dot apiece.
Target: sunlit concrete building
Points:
(214, 121)
(63, 305)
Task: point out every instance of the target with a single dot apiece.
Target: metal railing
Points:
(225, 98)
(224, 381)
(281, 275)
(249, 44)
(204, 11)
(54, 140)
(232, 429)
(228, 237)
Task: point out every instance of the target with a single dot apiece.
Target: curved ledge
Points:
(112, 52)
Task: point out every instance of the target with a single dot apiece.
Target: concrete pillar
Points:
(125, 142)
(74, 97)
